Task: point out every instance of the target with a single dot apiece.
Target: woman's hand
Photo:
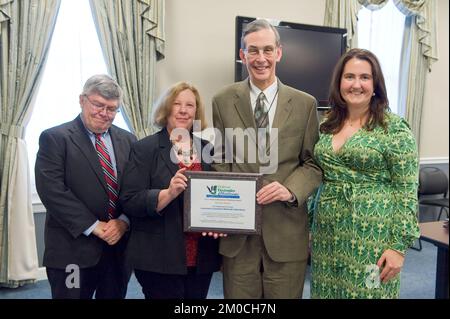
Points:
(391, 262)
(215, 235)
(178, 183)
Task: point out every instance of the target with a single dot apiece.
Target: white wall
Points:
(200, 40)
(434, 130)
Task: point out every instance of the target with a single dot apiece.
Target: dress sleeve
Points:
(312, 203)
(402, 160)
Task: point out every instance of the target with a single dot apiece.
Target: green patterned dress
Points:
(367, 204)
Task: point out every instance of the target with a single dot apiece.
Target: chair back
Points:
(432, 181)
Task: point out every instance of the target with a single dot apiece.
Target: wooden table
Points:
(437, 234)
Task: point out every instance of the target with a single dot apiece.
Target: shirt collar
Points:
(104, 134)
(269, 92)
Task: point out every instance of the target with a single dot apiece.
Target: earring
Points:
(373, 94)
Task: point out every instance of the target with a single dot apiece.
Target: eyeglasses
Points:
(99, 107)
(268, 51)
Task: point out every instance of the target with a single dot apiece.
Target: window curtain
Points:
(419, 48)
(131, 34)
(419, 52)
(343, 14)
(26, 28)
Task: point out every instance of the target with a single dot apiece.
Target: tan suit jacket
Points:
(284, 228)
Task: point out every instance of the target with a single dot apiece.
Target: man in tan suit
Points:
(273, 264)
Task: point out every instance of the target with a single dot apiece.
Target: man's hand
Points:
(114, 230)
(273, 192)
(98, 230)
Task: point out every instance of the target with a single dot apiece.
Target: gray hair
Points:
(255, 26)
(103, 85)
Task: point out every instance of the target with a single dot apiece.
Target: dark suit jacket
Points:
(72, 187)
(284, 228)
(157, 239)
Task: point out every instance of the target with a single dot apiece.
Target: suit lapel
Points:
(165, 146)
(284, 108)
(243, 107)
(120, 152)
(81, 139)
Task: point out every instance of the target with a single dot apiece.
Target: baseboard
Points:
(433, 160)
(41, 274)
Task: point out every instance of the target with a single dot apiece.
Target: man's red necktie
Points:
(110, 175)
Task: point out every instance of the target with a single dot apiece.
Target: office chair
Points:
(433, 181)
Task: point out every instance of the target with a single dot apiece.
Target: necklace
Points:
(184, 154)
(359, 122)
(350, 123)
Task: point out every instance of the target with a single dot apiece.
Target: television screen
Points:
(309, 56)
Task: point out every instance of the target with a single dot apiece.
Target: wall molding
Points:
(433, 160)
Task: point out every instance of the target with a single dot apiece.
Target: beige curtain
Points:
(373, 4)
(419, 52)
(131, 34)
(343, 14)
(26, 28)
(419, 46)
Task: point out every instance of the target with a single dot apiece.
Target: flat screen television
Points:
(309, 55)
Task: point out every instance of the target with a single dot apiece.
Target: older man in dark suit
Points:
(270, 265)
(78, 170)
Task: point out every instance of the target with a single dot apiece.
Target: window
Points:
(381, 31)
(74, 55)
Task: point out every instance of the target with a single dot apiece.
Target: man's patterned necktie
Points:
(261, 116)
(110, 175)
(262, 122)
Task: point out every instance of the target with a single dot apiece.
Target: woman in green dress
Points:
(365, 214)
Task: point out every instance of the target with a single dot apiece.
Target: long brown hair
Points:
(379, 103)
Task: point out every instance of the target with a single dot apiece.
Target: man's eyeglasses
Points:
(268, 51)
(99, 107)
